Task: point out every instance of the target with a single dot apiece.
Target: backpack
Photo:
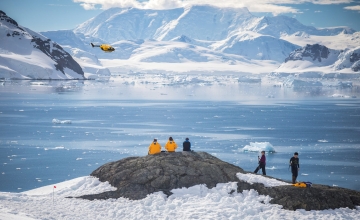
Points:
(303, 184)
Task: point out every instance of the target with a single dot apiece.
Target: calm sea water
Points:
(111, 121)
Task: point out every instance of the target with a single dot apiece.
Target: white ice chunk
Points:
(57, 121)
(259, 146)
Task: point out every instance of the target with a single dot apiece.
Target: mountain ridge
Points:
(26, 54)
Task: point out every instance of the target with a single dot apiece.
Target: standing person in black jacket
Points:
(262, 163)
(295, 166)
(187, 145)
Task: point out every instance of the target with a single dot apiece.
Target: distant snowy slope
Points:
(256, 46)
(283, 25)
(25, 54)
(338, 42)
(320, 59)
(66, 38)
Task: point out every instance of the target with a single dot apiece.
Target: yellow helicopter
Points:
(104, 47)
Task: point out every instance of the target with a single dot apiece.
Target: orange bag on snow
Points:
(302, 184)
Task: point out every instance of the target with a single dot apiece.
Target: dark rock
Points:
(62, 58)
(317, 197)
(136, 177)
(53, 50)
(354, 57)
(356, 67)
(315, 52)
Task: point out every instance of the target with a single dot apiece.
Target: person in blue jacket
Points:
(186, 145)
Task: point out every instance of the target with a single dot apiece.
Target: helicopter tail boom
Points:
(94, 45)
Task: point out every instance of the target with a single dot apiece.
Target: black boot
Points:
(293, 179)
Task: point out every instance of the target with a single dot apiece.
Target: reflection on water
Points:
(114, 119)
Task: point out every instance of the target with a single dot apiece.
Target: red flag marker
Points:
(54, 186)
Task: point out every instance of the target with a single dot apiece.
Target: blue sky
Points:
(43, 15)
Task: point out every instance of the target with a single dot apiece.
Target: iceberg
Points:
(259, 146)
(57, 121)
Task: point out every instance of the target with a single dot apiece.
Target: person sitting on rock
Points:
(295, 166)
(154, 147)
(171, 145)
(186, 145)
(262, 163)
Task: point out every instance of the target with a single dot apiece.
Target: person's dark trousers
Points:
(262, 167)
(294, 171)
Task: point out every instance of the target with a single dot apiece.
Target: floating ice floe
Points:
(259, 146)
(57, 121)
(323, 141)
(336, 95)
(55, 148)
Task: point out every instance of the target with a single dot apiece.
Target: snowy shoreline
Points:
(186, 203)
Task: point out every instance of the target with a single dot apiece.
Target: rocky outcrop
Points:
(21, 41)
(4, 17)
(317, 197)
(349, 59)
(62, 58)
(355, 58)
(315, 52)
(136, 177)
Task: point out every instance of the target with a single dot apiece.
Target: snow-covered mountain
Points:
(25, 54)
(137, 33)
(202, 22)
(349, 59)
(278, 26)
(225, 39)
(318, 58)
(256, 46)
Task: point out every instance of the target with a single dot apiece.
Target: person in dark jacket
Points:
(186, 145)
(262, 163)
(295, 166)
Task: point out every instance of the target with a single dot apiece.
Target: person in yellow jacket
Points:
(171, 145)
(154, 147)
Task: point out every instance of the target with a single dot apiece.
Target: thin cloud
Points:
(317, 11)
(354, 8)
(88, 6)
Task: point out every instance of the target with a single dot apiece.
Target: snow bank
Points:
(259, 146)
(57, 121)
(75, 187)
(197, 202)
(253, 178)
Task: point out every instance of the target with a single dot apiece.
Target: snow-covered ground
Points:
(197, 202)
